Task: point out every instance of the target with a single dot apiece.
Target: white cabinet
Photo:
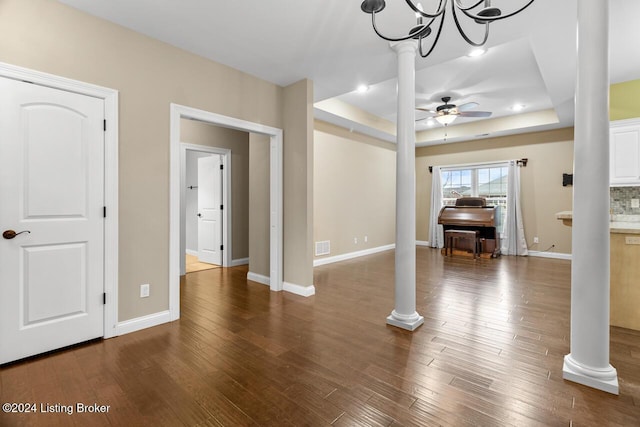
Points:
(624, 154)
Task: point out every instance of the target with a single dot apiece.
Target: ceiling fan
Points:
(446, 113)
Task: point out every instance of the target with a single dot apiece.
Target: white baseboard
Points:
(259, 278)
(239, 261)
(422, 243)
(191, 252)
(305, 291)
(143, 322)
(555, 255)
(343, 257)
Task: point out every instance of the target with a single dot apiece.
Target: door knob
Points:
(10, 234)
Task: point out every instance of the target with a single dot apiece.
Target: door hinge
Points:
(104, 124)
(221, 167)
(104, 298)
(221, 207)
(222, 247)
(104, 212)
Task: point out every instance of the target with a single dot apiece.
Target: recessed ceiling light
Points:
(477, 52)
(518, 107)
(362, 89)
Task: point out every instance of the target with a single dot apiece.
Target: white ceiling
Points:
(530, 59)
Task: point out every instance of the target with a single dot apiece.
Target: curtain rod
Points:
(519, 162)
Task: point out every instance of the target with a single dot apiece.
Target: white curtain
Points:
(436, 238)
(513, 241)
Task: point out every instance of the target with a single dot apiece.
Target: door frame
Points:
(227, 239)
(178, 112)
(110, 98)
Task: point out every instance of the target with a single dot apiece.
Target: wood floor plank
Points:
(490, 353)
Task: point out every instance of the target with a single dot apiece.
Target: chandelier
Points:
(479, 12)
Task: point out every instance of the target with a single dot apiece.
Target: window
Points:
(485, 181)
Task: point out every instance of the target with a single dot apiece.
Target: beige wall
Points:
(550, 155)
(200, 133)
(298, 183)
(354, 187)
(47, 36)
(259, 175)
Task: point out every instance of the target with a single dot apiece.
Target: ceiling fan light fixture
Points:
(446, 119)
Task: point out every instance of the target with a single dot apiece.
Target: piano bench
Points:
(450, 237)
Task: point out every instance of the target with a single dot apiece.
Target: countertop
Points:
(621, 224)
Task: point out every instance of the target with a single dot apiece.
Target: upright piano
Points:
(484, 219)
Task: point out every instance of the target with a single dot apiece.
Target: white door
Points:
(210, 209)
(51, 188)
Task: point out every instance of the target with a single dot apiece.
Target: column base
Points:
(601, 379)
(409, 323)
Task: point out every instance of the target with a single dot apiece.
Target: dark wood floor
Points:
(489, 354)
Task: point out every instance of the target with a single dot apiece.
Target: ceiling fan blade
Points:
(426, 109)
(467, 106)
(475, 114)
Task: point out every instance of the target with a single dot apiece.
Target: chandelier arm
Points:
(435, 40)
(464, 35)
(392, 39)
(440, 11)
(459, 4)
(495, 18)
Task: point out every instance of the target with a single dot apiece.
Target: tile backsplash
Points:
(621, 200)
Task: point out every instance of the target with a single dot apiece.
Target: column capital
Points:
(410, 45)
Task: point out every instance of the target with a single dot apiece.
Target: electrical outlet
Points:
(144, 290)
(635, 203)
(536, 240)
(355, 240)
(632, 240)
(366, 239)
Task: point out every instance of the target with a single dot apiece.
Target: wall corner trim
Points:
(143, 322)
(305, 291)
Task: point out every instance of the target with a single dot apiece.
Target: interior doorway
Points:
(274, 135)
(206, 234)
(192, 234)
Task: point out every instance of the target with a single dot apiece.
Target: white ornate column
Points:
(588, 362)
(404, 315)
